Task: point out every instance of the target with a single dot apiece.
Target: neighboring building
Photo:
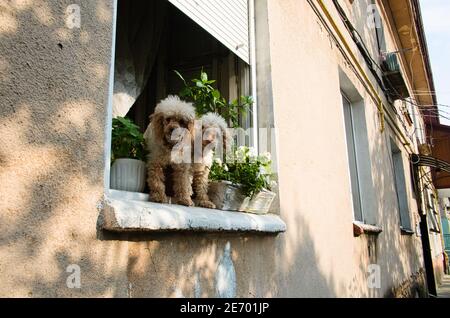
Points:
(439, 141)
(445, 219)
(334, 84)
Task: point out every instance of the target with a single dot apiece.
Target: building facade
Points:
(439, 140)
(334, 84)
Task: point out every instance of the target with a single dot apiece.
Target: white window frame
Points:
(253, 89)
(123, 211)
(253, 73)
(352, 156)
(108, 126)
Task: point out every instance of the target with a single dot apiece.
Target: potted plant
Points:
(208, 99)
(243, 183)
(127, 156)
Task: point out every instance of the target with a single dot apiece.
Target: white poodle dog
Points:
(169, 143)
(215, 139)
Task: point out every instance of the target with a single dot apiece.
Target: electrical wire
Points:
(429, 113)
(356, 36)
(433, 110)
(437, 112)
(371, 62)
(372, 65)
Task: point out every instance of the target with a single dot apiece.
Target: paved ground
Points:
(444, 290)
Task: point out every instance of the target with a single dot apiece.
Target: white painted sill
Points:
(360, 228)
(131, 212)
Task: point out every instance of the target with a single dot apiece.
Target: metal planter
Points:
(229, 197)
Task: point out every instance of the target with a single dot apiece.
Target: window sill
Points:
(131, 212)
(362, 228)
(407, 232)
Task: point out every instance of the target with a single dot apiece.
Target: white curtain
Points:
(140, 24)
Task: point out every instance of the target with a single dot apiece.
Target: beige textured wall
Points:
(305, 76)
(53, 103)
(53, 92)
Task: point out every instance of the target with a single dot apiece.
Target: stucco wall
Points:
(54, 88)
(303, 59)
(54, 94)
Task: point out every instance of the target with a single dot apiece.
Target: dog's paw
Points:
(206, 204)
(155, 197)
(184, 201)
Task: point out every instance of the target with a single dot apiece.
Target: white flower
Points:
(225, 167)
(265, 158)
(262, 171)
(265, 171)
(267, 155)
(273, 184)
(241, 154)
(252, 153)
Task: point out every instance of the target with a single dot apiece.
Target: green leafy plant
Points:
(206, 98)
(252, 173)
(127, 140)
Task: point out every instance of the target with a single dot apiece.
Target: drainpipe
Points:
(425, 236)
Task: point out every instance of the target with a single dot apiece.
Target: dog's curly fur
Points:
(169, 115)
(214, 133)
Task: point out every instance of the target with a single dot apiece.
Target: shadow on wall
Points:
(400, 256)
(192, 265)
(54, 84)
(54, 93)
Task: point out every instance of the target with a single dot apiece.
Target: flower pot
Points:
(128, 175)
(229, 197)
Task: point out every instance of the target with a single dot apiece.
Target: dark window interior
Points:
(186, 47)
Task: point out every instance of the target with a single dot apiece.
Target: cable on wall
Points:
(358, 69)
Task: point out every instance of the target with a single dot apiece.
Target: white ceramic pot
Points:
(128, 175)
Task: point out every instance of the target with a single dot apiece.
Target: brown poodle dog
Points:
(168, 139)
(214, 137)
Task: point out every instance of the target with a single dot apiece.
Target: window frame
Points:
(400, 185)
(357, 206)
(380, 32)
(253, 91)
(433, 212)
(120, 210)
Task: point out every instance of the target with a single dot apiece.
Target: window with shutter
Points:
(227, 21)
(398, 170)
(154, 38)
